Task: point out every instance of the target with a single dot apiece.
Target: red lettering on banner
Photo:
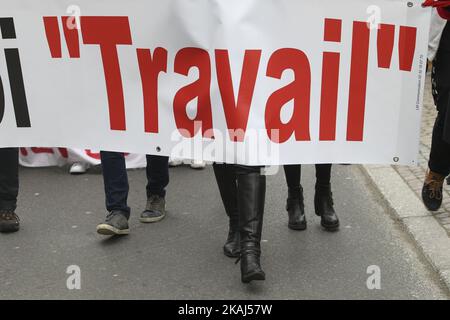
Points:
(185, 60)
(42, 150)
(385, 45)
(358, 81)
(237, 113)
(330, 82)
(407, 47)
(150, 68)
(299, 91)
(333, 30)
(93, 155)
(72, 37)
(108, 33)
(64, 153)
(53, 36)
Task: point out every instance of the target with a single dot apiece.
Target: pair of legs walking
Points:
(323, 198)
(243, 188)
(117, 188)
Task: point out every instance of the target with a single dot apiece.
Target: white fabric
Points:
(68, 103)
(47, 157)
(436, 27)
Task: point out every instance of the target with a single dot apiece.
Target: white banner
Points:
(254, 82)
(48, 157)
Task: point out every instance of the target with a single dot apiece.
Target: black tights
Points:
(293, 175)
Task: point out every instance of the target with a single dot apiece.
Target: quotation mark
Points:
(406, 46)
(71, 36)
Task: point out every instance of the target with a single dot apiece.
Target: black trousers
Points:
(9, 178)
(115, 179)
(440, 145)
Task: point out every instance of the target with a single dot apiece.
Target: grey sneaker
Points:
(116, 223)
(9, 222)
(155, 210)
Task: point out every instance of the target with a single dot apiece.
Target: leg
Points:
(157, 175)
(323, 174)
(293, 175)
(439, 163)
(226, 181)
(323, 198)
(115, 179)
(9, 189)
(438, 166)
(251, 200)
(157, 181)
(440, 150)
(295, 202)
(9, 178)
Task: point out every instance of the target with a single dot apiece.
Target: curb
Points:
(407, 209)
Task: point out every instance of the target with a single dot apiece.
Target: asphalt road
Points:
(181, 257)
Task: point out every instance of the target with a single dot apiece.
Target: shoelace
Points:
(435, 189)
(110, 215)
(8, 215)
(154, 200)
(241, 254)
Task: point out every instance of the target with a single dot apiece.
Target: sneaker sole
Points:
(77, 173)
(197, 168)
(107, 230)
(152, 220)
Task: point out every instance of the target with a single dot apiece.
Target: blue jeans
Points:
(116, 179)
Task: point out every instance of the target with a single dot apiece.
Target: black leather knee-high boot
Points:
(226, 180)
(251, 198)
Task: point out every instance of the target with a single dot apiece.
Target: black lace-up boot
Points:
(432, 190)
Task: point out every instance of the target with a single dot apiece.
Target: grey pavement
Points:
(414, 176)
(181, 257)
(400, 188)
